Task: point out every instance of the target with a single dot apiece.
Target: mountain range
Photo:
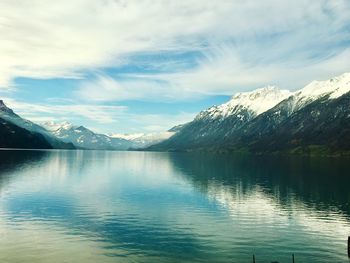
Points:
(85, 138)
(312, 120)
(143, 140)
(17, 132)
(21, 133)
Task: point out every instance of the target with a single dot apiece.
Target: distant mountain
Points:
(142, 140)
(10, 116)
(82, 137)
(312, 120)
(13, 136)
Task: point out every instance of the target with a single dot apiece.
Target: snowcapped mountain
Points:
(84, 138)
(10, 116)
(314, 118)
(54, 126)
(270, 119)
(254, 102)
(13, 136)
(261, 100)
(333, 88)
(316, 90)
(211, 125)
(142, 140)
(126, 136)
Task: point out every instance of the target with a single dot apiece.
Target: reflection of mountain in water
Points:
(174, 206)
(13, 160)
(118, 231)
(321, 183)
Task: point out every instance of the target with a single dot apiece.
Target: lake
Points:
(101, 206)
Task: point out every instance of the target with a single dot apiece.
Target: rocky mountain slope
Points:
(211, 125)
(311, 120)
(13, 136)
(84, 138)
(11, 117)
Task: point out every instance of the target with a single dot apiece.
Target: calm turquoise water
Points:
(96, 206)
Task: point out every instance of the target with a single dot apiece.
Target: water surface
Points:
(97, 206)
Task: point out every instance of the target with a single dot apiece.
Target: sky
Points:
(126, 66)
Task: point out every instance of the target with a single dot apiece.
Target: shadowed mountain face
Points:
(41, 137)
(313, 120)
(13, 136)
(13, 161)
(320, 127)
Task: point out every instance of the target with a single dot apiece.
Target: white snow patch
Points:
(257, 101)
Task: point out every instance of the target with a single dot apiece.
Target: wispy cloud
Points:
(41, 39)
(132, 87)
(44, 112)
(96, 117)
(159, 50)
(220, 73)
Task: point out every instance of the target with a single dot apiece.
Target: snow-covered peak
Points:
(259, 100)
(131, 136)
(334, 88)
(142, 136)
(256, 102)
(54, 126)
(156, 136)
(141, 140)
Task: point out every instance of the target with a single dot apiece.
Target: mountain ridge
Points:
(85, 138)
(244, 129)
(265, 120)
(10, 116)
